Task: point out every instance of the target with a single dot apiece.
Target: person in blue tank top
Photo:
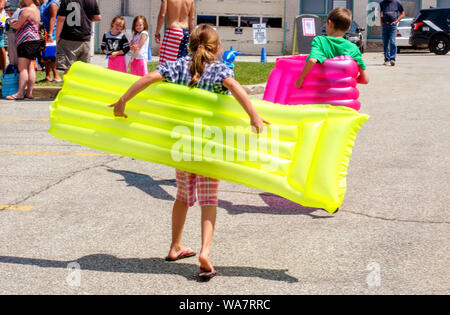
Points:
(49, 11)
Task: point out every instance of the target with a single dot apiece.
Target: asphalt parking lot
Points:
(78, 221)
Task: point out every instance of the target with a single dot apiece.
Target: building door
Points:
(234, 21)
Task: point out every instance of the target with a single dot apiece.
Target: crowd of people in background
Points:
(24, 22)
(32, 25)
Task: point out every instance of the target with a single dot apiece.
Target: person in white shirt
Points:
(138, 54)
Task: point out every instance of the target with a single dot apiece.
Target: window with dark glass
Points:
(248, 21)
(323, 7)
(313, 7)
(273, 22)
(228, 21)
(207, 19)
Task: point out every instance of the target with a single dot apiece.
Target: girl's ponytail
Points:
(204, 44)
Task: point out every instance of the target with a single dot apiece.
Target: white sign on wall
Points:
(259, 34)
(309, 27)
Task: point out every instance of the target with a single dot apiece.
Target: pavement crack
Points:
(393, 219)
(60, 180)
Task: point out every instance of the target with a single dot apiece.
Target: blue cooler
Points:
(50, 52)
(10, 81)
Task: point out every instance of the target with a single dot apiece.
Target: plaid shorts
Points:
(192, 185)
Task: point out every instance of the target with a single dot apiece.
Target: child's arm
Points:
(125, 44)
(363, 77)
(117, 53)
(136, 88)
(307, 69)
(138, 47)
(242, 97)
(103, 45)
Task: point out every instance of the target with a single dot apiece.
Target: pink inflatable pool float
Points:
(332, 82)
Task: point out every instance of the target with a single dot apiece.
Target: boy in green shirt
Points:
(333, 45)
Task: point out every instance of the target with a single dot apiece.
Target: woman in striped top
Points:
(28, 48)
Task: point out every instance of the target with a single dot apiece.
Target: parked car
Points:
(431, 29)
(403, 33)
(355, 35)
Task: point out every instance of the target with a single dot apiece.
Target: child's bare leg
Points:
(208, 223)
(179, 213)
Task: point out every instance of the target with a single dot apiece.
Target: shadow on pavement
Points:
(108, 263)
(275, 204)
(147, 184)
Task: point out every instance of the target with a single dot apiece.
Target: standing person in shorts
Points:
(180, 23)
(73, 31)
(28, 47)
(3, 16)
(49, 12)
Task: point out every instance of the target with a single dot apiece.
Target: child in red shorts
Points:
(203, 70)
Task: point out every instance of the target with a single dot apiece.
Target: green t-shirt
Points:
(326, 47)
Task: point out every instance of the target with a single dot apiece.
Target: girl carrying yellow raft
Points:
(303, 155)
(202, 70)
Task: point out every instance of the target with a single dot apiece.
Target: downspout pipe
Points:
(124, 7)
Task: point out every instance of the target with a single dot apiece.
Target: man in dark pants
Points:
(391, 13)
(73, 31)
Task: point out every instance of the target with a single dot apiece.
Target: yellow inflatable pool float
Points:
(303, 156)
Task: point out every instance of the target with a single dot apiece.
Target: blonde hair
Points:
(204, 44)
(119, 18)
(136, 20)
